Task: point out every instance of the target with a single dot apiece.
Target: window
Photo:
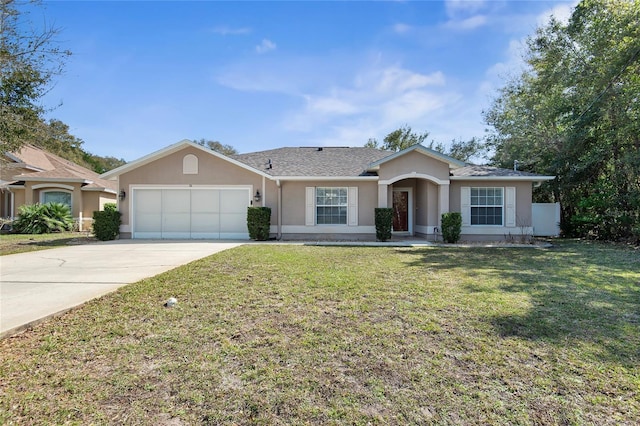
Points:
(57, 197)
(331, 206)
(486, 206)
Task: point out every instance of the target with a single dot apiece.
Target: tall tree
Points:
(399, 139)
(217, 146)
(461, 150)
(574, 113)
(29, 59)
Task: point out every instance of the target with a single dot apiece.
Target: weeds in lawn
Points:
(321, 335)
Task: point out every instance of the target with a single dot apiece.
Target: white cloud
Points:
(224, 30)
(401, 28)
(456, 8)
(265, 46)
(467, 24)
(375, 102)
(562, 12)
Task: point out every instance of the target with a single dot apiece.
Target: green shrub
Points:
(384, 223)
(43, 218)
(259, 222)
(106, 223)
(451, 227)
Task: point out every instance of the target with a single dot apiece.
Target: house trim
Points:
(53, 186)
(413, 175)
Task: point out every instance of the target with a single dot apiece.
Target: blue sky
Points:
(262, 75)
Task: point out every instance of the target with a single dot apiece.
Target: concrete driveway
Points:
(37, 285)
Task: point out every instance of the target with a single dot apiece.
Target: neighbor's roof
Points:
(57, 169)
(310, 161)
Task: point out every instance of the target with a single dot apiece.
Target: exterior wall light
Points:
(122, 195)
(257, 197)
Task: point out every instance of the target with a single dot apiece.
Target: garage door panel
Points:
(148, 217)
(234, 201)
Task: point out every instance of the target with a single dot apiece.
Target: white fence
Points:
(546, 219)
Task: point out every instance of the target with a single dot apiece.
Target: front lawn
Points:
(266, 334)
(20, 243)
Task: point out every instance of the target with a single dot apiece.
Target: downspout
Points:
(279, 225)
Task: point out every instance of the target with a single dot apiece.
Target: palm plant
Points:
(43, 218)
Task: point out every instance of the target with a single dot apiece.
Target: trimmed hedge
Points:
(451, 227)
(384, 223)
(259, 222)
(106, 223)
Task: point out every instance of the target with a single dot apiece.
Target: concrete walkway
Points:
(37, 285)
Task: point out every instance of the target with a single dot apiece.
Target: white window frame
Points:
(311, 206)
(340, 206)
(65, 191)
(486, 205)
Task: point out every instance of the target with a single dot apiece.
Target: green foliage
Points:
(461, 150)
(451, 227)
(217, 146)
(398, 140)
(384, 223)
(106, 223)
(29, 59)
(574, 114)
(259, 222)
(43, 218)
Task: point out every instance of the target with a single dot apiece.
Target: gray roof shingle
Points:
(309, 161)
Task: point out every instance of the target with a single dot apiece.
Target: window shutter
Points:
(465, 205)
(310, 206)
(510, 206)
(352, 209)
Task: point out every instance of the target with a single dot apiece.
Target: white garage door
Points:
(199, 213)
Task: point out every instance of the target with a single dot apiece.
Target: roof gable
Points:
(452, 162)
(112, 174)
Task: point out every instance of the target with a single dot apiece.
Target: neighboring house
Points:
(188, 191)
(34, 175)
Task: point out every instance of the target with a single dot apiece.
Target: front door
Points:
(400, 211)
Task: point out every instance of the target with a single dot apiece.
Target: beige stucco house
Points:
(188, 191)
(34, 175)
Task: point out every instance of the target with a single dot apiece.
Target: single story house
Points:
(34, 175)
(189, 191)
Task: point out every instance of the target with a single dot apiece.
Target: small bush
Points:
(259, 223)
(43, 218)
(451, 227)
(384, 223)
(106, 223)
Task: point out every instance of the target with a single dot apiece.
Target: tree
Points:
(460, 149)
(574, 113)
(29, 59)
(399, 139)
(217, 146)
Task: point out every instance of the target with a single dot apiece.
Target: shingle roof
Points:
(308, 161)
(487, 171)
(58, 168)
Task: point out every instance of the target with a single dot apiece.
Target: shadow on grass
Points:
(577, 292)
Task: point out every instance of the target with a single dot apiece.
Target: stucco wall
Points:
(211, 171)
(523, 197)
(414, 162)
(293, 200)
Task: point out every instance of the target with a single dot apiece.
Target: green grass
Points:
(267, 334)
(21, 243)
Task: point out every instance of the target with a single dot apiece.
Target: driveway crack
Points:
(62, 261)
